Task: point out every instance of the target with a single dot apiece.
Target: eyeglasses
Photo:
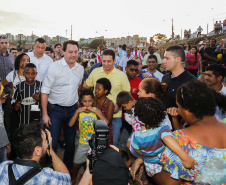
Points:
(133, 70)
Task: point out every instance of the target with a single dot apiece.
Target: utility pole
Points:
(66, 33)
(181, 34)
(172, 30)
(207, 28)
(71, 32)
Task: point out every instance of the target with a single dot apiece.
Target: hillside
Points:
(193, 41)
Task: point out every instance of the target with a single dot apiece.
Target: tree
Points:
(95, 43)
(160, 37)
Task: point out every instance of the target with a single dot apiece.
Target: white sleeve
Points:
(48, 79)
(9, 77)
(128, 118)
(121, 63)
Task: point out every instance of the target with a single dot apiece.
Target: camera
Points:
(98, 142)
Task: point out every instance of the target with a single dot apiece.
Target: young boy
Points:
(126, 101)
(86, 116)
(27, 96)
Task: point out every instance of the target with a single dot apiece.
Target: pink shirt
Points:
(191, 62)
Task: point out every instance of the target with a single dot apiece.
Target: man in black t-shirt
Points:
(210, 54)
(174, 58)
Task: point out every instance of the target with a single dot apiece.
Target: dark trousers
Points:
(60, 116)
(7, 113)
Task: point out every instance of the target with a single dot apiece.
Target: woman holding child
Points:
(203, 140)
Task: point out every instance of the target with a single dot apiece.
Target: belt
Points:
(63, 107)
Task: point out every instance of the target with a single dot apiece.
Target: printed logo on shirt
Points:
(28, 101)
(88, 118)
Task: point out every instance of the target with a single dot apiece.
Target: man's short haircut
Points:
(30, 65)
(214, 40)
(136, 57)
(128, 48)
(109, 52)
(101, 46)
(106, 84)
(152, 56)
(18, 59)
(12, 49)
(150, 47)
(123, 98)
(26, 138)
(132, 62)
(69, 42)
(85, 92)
(177, 51)
(202, 96)
(57, 45)
(3, 37)
(40, 40)
(49, 49)
(217, 69)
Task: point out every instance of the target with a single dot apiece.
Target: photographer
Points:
(31, 143)
(109, 169)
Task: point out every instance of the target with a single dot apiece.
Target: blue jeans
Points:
(59, 116)
(116, 127)
(127, 129)
(3, 156)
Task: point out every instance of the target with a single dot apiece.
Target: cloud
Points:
(13, 22)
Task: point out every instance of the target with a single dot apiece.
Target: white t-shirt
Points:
(42, 64)
(13, 77)
(123, 62)
(223, 90)
(158, 75)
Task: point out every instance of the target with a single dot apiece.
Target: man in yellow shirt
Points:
(119, 82)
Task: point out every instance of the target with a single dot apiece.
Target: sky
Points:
(111, 19)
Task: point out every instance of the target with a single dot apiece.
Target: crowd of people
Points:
(168, 105)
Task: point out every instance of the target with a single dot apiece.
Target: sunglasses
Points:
(133, 70)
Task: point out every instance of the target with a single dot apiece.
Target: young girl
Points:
(103, 88)
(86, 116)
(193, 61)
(150, 141)
(151, 87)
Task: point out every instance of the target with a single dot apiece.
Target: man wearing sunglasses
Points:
(131, 72)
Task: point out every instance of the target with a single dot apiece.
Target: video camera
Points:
(98, 142)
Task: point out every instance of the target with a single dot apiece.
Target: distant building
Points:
(47, 39)
(21, 37)
(62, 39)
(32, 38)
(129, 41)
(10, 37)
(89, 40)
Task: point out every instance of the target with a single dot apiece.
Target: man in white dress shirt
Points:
(39, 58)
(59, 96)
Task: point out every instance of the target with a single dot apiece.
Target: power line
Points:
(216, 15)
